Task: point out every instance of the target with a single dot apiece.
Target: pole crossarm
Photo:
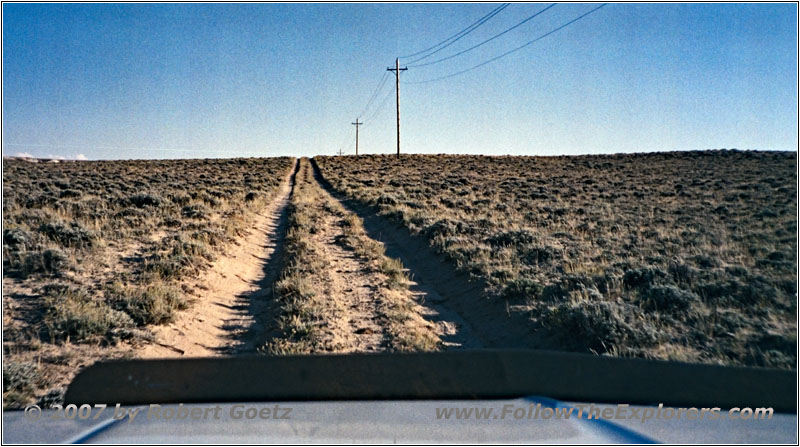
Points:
(357, 124)
(397, 71)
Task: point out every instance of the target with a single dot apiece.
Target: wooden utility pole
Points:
(340, 152)
(397, 71)
(356, 124)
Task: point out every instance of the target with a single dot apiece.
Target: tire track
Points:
(455, 301)
(339, 293)
(233, 313)
(250, 330)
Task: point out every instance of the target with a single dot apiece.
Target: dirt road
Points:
(231, 312)
(354, 301)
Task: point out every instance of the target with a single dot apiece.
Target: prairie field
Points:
(686, 256)
(683, 256)
(96, 252)
(338, 291)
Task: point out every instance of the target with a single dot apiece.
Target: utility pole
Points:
(356, 124)
(397, 71)
(340, 152)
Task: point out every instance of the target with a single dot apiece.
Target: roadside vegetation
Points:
(95, 252)
(338, 291)
(685, 256)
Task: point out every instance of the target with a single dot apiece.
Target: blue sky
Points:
(215, 80)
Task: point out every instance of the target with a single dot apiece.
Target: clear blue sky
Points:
(213, 80)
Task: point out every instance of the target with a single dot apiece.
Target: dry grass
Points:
(406, 329)
(314, 317)
(687, 256)
(94, 252)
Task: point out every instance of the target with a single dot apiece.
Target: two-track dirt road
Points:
(231, 309)
(235, 310)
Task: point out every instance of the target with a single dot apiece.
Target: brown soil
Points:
(231, 312)
(235, 310)
(453, 300)
(353, 325)
(350, 286)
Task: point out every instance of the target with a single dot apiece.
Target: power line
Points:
(375, 93)
(344, 142)
(350, 146)
(346, 139)
(462, 33)
(397, 70)
(346, 147)
(482, 19)
(357, 124)
(510, 51)
(372, 98)
(484, 42)
(380, 108)
(494, 13)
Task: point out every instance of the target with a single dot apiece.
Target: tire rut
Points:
(347, 300)
(256, 321)
(358, 328)
(233, 313)
(456, 302)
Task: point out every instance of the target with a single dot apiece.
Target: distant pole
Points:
(356, 124)
(340, 152)
(397, 71)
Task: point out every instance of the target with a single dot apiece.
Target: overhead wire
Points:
(484, 42)
(444, 44)
(340, 148)
(377, 111)
(371, 100)
(510, 51)
(454, 38)
(350, 146)
(374, 95)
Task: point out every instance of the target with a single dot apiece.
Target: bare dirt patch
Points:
(451, 299)
(687, 256)
(96, 255)
(338, 291)
(231, 308)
